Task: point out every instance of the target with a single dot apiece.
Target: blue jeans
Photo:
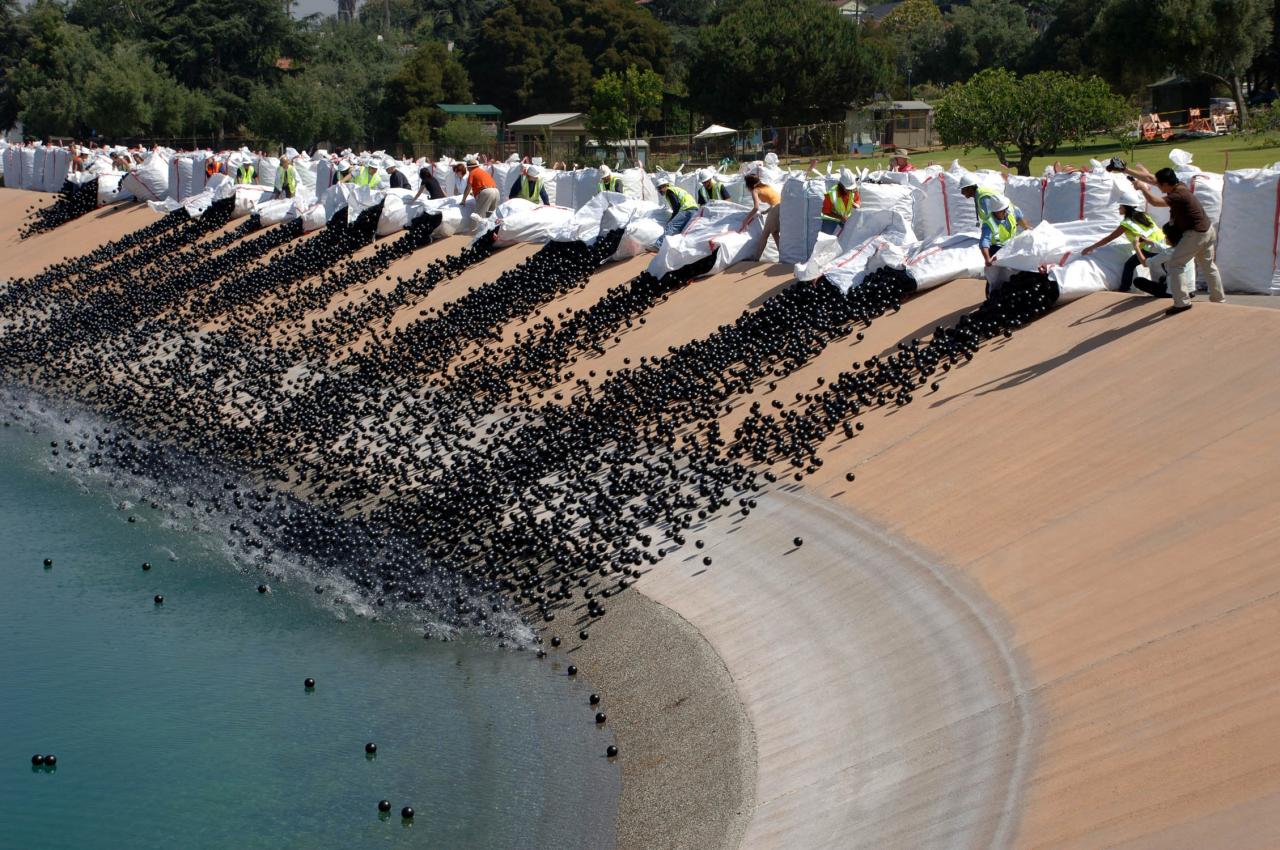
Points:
(677, 224)
(830, 227)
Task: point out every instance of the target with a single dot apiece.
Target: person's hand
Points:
(1087, 251)
(988, 261)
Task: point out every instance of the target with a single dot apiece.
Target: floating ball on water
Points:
(542, 653)
(573, 670)
(133, 519)
(50, 760)
(611, 751)
(308, 683)
(371, 748)
(146, 565)
(48, 562)
(159, 599)
(384, 805)
(601, 717)
(262, 588)
(37, 759)
(407, 813)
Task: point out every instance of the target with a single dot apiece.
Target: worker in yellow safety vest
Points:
(245, 173)
(609, 182)
(683, 206)
(839, 203)
(367, 176)
(529, 186)
(1150, 247)
(709, 188)
(286, 179)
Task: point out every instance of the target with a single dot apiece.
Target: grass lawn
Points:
(1220, 153)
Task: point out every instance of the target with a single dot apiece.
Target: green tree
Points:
(983, 34)
(1028, 117)
(783, 63)
(53, 58)
(431, 75)
(541, 56)
(620, 101)
(1215, 39)
(128, 95)
(916, 30)
(461, 135)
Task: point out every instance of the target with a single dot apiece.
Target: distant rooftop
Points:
(469, 108)
(545, 119)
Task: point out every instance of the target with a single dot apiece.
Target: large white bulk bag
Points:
(307, 176)
(1027, 194)
(504, 176)
(398, 209)
(324, 176)
(1080, 195)
(897, 198)
(944, 259)
(638, 185)
(522, 221)
(313, 217)
(149, 181)
(642, 224)
(6, 153)
(109, 190)
(26, 168)
(248, 198)
(36, 183)
(1249, 231)
(181, 172)
(57, 163)
(799, 218)
(278, 210)
(847, 254)
(268, 167)
(1208, 191)
(703, 235)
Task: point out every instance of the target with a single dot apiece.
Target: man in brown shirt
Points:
(1196, 242)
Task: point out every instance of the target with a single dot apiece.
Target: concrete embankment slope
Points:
(1044, 614)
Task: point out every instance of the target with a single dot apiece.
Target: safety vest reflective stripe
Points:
(367, 176)
(611, 184)
(686, 201)
(984, 217)
(244, 174)
(843, 207)
(290, 179)
(530, 190)
(712, 194)
(1136, 233)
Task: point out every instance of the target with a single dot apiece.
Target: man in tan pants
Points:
(1196, 243)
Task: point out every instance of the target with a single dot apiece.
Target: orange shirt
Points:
(768, 195)
(479, 179)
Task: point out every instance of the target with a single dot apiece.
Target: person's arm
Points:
(466, 190)
(724, 192)
(1115, 234)
(546, 199)
(984, 245)
(1152, 198)
(1140, 171)
(422, 184)
(1022, 222)
(515, 187)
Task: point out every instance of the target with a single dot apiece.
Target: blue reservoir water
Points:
(186, 725)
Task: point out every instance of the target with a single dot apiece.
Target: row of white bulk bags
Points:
(576, 188)
(638, 185)
(1249, 231)
(13, 167)
(187, 175)
(1027, 194)
(109, 188)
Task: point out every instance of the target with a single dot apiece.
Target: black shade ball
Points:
(384, 805)
(407, 813)
(37, 759)
(611, 751)
(371, 748)
(309, 683)
(573, 670)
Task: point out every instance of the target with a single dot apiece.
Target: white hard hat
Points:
(846, 178)
(968, 181)
(471, 162)
(606, 171)
(343, 165)
(1000, 204)
(533, 171)
(771, 159)
(664, 180)
(705, 174)
(1130, 197)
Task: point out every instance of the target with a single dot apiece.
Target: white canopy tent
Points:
(715, 130)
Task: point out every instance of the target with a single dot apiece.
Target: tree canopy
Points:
(541, 56)
(1028, 117)
(784, 63)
